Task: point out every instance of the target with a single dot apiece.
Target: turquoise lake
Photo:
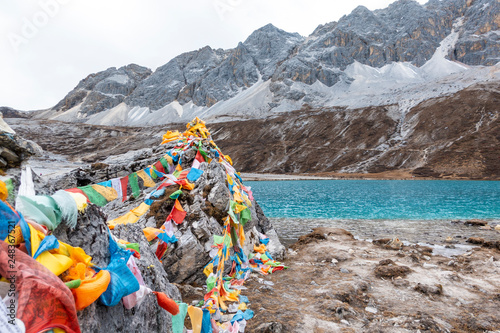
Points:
(378, 208)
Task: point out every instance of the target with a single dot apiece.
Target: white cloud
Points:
(59, 42)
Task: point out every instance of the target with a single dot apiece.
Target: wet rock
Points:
(426, 289)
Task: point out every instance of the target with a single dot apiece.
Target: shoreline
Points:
(386, 175)
(441, 233)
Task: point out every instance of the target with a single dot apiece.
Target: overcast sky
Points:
(48, 46)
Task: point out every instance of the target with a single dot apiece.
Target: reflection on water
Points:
(413, 231)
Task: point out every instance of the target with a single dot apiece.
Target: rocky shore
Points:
(336, 283)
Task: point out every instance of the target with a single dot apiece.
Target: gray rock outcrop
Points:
(103, 90)
(14, 149)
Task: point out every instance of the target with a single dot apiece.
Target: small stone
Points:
(266, 288)
(334, 261)
(8, 154)
(386, 262)
(345, 271)
(371, 309)
(476, 222)
(475, 240)
(426, 265)
(425, 289)
(272, 327)
(399, 282)
(449, 239)
(391, 271)
(345, 322)
(314, 283)
(485, 227)
(426, 258)
(350, 251)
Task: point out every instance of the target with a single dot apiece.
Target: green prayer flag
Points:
(164, 162)
(134, 246)
(176, 194)
(153, 174)
(218, 239)
(134, 184)
(94, 196)
(73, 284)
(245, 216)
(210, 282)
(230, 212)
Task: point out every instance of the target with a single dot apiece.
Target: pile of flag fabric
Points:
(27, 234)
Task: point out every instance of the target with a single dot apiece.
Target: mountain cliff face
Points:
(276, 71)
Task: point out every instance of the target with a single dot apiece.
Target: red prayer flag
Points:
(124, 182)
(159, 167)
(199, 157)
(177, 214)
(161, 249)
(183, 174)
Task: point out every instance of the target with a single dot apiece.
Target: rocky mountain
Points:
(380, 57)
(454, 137)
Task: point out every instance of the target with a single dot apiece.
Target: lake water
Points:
(412, 210)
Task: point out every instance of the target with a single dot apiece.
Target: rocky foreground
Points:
(336, 283)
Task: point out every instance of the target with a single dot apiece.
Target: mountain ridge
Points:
(275, 71)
